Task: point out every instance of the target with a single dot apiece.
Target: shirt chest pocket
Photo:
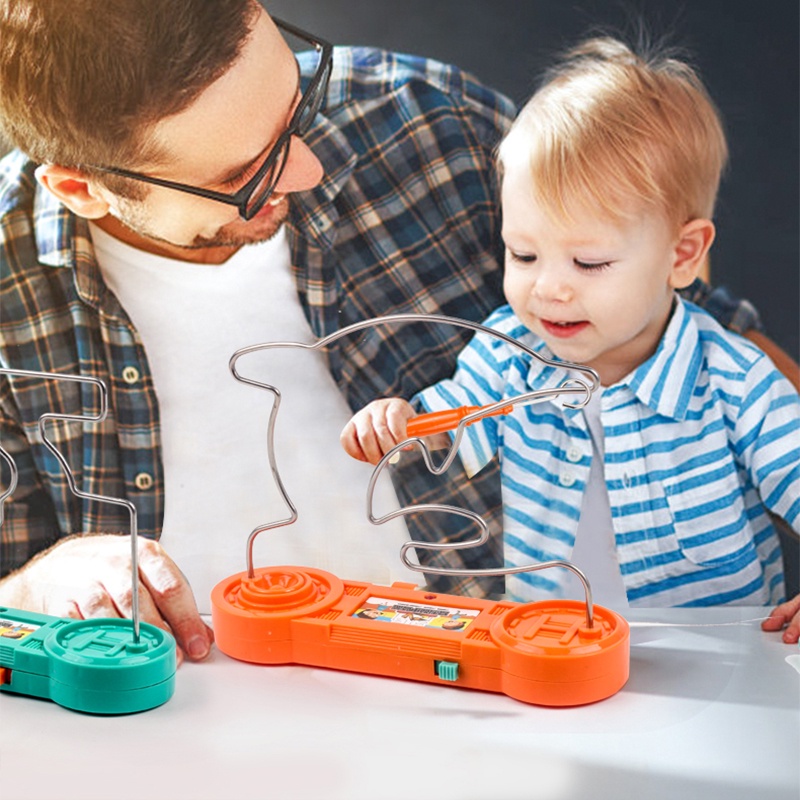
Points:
(709, 519)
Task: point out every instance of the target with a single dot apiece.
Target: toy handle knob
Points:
(441, 421)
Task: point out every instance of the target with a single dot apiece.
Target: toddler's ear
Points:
(694, 241)
(74, 189)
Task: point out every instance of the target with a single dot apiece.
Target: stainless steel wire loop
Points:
(47, 416)
(580, 386)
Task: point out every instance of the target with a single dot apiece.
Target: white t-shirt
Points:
(218, 482)
(595, 552)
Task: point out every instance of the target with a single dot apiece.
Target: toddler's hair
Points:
(616, 132)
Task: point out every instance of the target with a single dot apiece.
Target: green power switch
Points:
(447, 670)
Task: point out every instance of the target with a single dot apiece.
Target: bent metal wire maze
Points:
(581, 387)
(99, 417)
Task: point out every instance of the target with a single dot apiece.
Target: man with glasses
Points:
(185, 186)
(251, 197)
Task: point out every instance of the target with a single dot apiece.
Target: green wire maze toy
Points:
(97, 666)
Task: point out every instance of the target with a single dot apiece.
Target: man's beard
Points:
(232, 235)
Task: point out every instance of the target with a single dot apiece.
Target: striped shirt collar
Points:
(664, 383)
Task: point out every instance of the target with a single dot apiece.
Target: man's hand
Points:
(90, 576)
(785, 615)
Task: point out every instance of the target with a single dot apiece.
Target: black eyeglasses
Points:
(251, 197)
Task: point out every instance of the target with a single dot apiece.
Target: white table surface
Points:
(711, 710)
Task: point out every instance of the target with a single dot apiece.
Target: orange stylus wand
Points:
(440, 421)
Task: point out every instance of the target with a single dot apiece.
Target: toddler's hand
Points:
(376, 429)
(786, 615)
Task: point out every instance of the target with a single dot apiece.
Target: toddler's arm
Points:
(376, 429)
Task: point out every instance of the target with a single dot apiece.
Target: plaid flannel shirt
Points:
(406, 219)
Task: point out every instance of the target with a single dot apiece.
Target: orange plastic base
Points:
(541, 653)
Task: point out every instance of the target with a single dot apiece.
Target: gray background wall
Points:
(747, 54)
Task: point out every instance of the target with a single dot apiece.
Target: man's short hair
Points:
(83, 81)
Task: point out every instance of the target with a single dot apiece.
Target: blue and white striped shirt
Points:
(701, 441)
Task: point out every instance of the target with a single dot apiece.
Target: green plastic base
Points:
(91, 665)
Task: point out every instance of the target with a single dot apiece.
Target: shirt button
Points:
(573, 454)
(566, 479)
(130, 375)
(143, 481)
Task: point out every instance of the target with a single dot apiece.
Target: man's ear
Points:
(74, 189)
(691, 250)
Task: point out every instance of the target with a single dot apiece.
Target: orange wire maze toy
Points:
(98, 665)
(557, 653)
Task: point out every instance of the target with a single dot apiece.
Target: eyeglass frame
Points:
(240, 198)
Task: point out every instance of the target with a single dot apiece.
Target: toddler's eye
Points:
(522, 258)
(592, 266)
